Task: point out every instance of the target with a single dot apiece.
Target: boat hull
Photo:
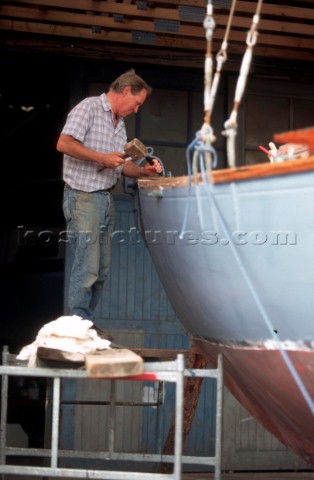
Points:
(237, 262)
(261, 382)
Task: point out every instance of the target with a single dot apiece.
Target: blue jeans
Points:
(90, 223)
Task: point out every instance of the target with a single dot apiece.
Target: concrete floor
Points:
(252, 476)
(224, 476)
(308, 475)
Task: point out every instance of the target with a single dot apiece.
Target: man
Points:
(92, 142)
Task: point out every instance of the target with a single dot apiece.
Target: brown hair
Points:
(130, 79)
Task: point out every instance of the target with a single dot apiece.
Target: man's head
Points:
(130, 79)
(127, 93)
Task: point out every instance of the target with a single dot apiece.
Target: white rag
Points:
(69, 334)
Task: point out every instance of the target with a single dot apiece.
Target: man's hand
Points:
(111, 160)
(130, 169)
(151, 170)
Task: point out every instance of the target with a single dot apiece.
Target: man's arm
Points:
(72, 147)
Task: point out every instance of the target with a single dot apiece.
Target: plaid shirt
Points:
(90, 122)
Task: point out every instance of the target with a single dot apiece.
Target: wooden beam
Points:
(100, 51)
(282, 37)
(281, 11)
(167, 53)
(181, 35)
(180, 39)
(250, 7)
(88, 18)
(113, 363)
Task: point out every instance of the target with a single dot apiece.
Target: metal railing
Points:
(164, 371)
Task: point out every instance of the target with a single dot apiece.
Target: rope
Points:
(211, 87)
(221, 58)
(231, 124)
(205, 137)
(209, 25)
(197, 154)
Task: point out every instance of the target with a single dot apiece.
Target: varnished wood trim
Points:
(238, 174)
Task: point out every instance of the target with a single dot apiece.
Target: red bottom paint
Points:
(261, 381)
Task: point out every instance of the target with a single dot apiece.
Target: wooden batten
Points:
(113, 363)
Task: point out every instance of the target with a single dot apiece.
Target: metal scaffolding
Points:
(162, 371)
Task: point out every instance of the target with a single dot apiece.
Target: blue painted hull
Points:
(237, 262)
(244, 267)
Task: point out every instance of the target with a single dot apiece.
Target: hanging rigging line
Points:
(221, 58)
(200, 151)
(206, 134)
(231, 124)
